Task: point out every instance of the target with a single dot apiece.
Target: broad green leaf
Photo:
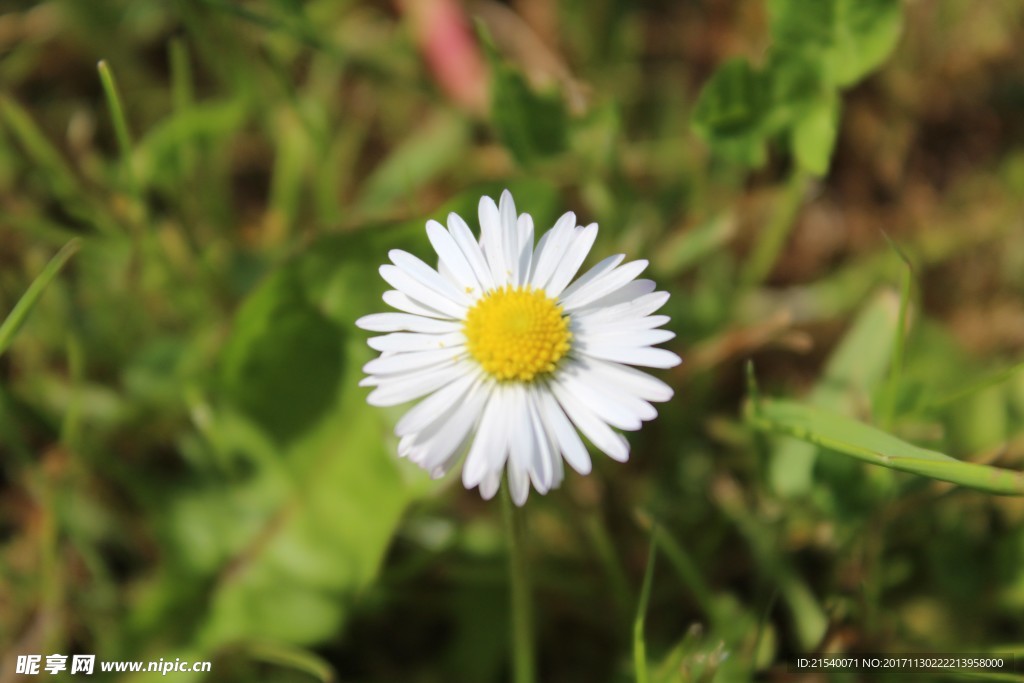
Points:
(732, 103)
(324, 540)
(730, 114)
(16, 318)
(312, 491)
(866, 34)
(835, 432)
(813, 136)
(849, 38)
(532, 124)
(795, 85)
(283, 362)
(799, 25)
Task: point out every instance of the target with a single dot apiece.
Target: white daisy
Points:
(509, 358)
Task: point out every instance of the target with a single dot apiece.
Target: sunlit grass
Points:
(188, 468)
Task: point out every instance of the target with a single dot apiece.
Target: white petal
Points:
(610, 409)
(437, 405)
(622, 378)
(489, 486)
(395, 322)
(445, 467)
(452, 257)
(600, 434)
(582, 326)
(569, 441)
(490, 448)
(412, 288)
(525, 229)
(582, 240)
(404, 388)
(525, 442)
(604, 266)
(518, 483)
(624, 294)
(463, 237)
(621, 313)
(491, 241)
(427, 276)
(433, 448)
(391, 363)
(631, 355)
(624, 402)
(509, 236)
(550, 249)
(402, 302)
(416, 341)
(626, 337)
(602, 285)
(542, 469)
(558, 474)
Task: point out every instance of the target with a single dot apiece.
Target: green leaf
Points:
(845, 435)
(848, 38)
(322, 543)
(283, 362)
(867, 32)
(813, 136)
(280, 547)
(730, 112)
(533, 125)
(796, 85)
(19, 314)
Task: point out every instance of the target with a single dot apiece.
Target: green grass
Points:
(194, 200)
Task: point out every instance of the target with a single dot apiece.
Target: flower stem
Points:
(522, 618)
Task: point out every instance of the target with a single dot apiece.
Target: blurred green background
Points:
(831, 190)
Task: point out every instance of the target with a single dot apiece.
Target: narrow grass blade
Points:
(685, 250)
(850, 437)
(887, 400)
(639, 646)
(182, 94)
(124, 138)
(10, 326)
(291, 657)
(992, 380)
(773, 238)
(38, 148)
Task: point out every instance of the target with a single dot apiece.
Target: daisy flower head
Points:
(511, 359)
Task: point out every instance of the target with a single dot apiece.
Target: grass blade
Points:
(124, 138)
(16, 318)
(639, 646)
(848, 436)
(290, 657)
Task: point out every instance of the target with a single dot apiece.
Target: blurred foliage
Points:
(831, 191)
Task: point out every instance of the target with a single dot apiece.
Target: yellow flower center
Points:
(517, 333)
